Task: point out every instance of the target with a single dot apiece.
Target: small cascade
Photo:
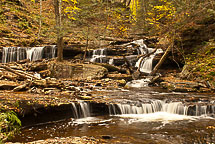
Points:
(34, 53)
(161, 106)
(99, 56)
(81, 110)
(12, 54)
(85, 109)
(138, 83)
(145, 65)
(49, 51)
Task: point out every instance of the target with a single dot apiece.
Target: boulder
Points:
(77, 71)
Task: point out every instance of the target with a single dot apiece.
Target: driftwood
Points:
(21, 87)
(109, 67)
(19, 73)
(8, 76)
(23, 61)
(115, 39)
(155, 79)
(161, 61)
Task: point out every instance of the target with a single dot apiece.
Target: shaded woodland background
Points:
(188, 27)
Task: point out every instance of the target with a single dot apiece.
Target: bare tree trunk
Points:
(85, 53)
(58, 16)
(129, 1)
(40, 23)
(60, 48)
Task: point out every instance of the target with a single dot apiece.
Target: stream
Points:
(134, 115)
(137, 115)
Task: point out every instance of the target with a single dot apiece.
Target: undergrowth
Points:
(9, 125)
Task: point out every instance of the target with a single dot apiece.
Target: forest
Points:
(89, 63)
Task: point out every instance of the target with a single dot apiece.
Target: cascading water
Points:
(99, 56)
(11, 54)
(145, 65)
(81, 109)
(161, 106)
(34, 53)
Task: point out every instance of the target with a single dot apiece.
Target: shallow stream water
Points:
(157, 127)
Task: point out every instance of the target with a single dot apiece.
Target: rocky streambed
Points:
(122, 116)
(91, 102)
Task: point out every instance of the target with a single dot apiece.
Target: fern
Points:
(9, 125)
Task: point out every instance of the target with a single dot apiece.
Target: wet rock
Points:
(71, 88)
(119, 76)
(98, 84)
(107, 137)
(85, 97)
(121, 83)
(136, 75)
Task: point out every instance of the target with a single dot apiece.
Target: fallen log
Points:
(109, 67)
(21, 87)
(161, 61)
(115, 39)
(19, 73)
(23, 61)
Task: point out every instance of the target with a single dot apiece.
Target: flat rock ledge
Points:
(177, 85)
(67, 140)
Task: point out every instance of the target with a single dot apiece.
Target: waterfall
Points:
(81, 109)
(11, 54)
(161, 106)
(99, 56)
(34, 53)
(85, 109)
(145, 64)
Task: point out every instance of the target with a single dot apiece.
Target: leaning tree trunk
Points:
(161, 61)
